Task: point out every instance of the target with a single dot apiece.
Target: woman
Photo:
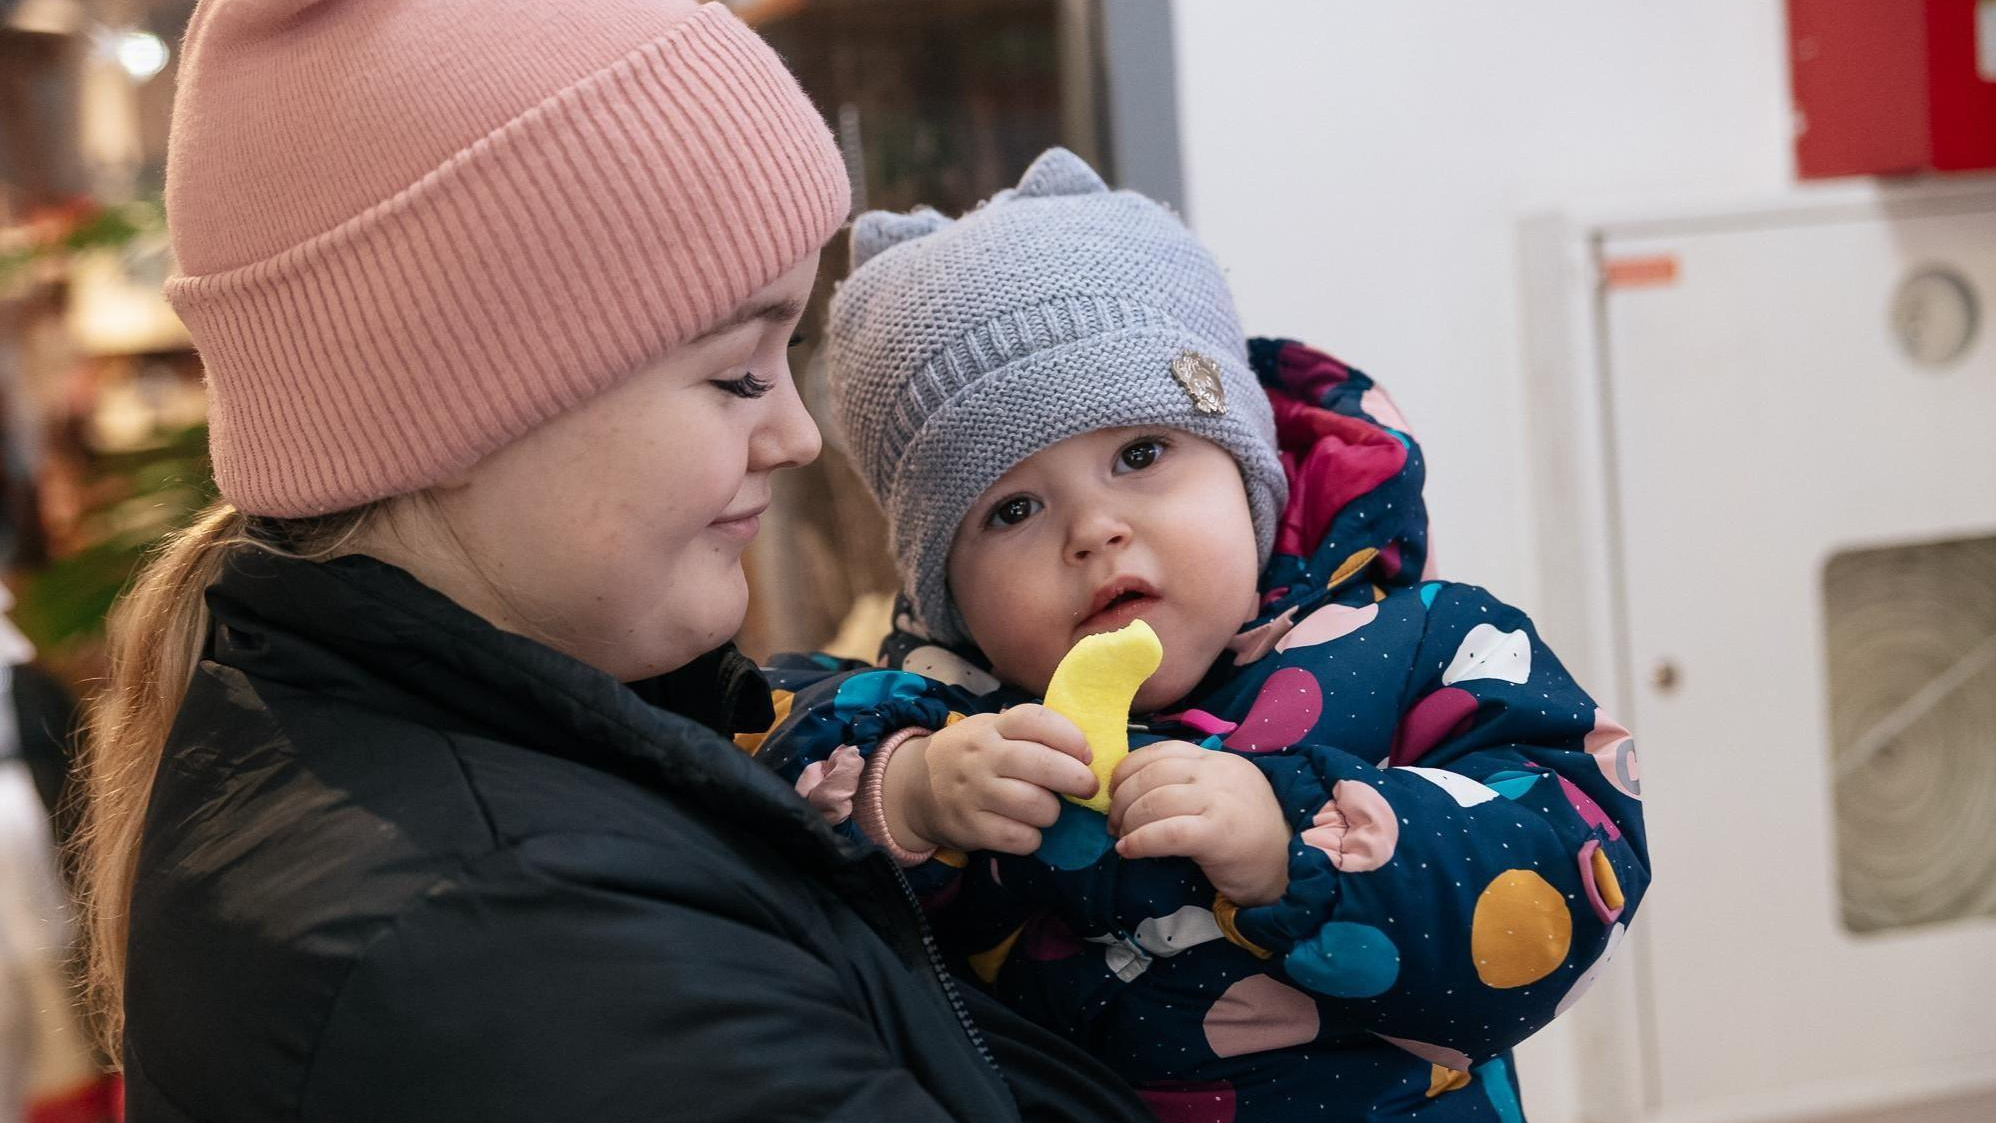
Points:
(410, 797)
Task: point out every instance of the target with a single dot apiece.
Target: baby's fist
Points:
(1174, 799)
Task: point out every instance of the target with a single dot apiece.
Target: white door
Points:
(1764, 417)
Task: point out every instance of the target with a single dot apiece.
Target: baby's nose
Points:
(1096, 535)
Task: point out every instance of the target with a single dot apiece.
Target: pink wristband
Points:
(870, 808)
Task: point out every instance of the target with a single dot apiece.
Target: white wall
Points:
(1360, 165)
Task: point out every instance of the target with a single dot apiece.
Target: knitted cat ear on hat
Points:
(875, 231)
(1058, 172)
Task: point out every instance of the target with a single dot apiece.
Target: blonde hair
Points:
(157, 633)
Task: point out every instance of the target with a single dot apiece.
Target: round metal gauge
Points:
(1934, 315)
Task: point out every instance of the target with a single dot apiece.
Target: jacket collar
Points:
(366, 632)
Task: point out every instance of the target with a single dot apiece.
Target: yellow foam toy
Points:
(1093, 688)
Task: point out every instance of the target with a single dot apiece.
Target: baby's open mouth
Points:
(1118, 603)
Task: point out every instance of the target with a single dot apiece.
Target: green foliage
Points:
(89, 227)
(155, 492)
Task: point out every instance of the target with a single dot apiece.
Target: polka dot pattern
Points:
(1200, 721)
(1592, 975)
(874, 690)
(1351, 567)
(1590, 811)
(1346, 961)
(1077, 839)
(1258, 1014)
(1490, 653)
(1465, 791)
(1521, 930)
(1614, 751)
(1458, 922)
(1512, 784)
(1331, 622)
(985, 964)
(1191, 1103)
(1429, 720)
(1288, 705)
(946, 666)
(1048, 939)
(1256, 642)
(1166, 936)
(1433, 1054)
(1494, 1077)
(1442, 1080)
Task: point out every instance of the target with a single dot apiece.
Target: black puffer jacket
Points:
(400, 865)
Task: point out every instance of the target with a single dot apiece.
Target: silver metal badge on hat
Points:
(1200, 378)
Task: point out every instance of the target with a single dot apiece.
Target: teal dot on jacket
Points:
(1345, 960)
(875, 689)
(1076, 840)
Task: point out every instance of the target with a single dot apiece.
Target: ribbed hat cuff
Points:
(531, 271)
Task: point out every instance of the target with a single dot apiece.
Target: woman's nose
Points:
(788, 437)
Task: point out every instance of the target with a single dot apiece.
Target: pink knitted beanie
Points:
(411, 230)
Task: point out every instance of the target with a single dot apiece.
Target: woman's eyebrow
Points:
(769, 312)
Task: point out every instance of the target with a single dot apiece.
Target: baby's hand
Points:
(1174, 799)
(989, 782)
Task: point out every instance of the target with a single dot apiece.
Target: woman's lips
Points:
(742, 527)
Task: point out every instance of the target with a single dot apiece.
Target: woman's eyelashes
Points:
(749, 385)
(1012, 511)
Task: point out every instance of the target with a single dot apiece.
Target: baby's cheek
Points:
(1019, 645)
(1184, 665)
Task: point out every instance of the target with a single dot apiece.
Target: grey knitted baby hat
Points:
(959, 347)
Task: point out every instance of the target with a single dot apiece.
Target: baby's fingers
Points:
(1149, 755)
(1157, 772)
(1045, 767)
(1166, 802)
(995, 832)
(1182, 836)
(1022, 802)
(1037, 723)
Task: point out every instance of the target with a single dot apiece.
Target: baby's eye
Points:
(1013, 511)
(1139, 454)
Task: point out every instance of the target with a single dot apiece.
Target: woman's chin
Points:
(720, 614)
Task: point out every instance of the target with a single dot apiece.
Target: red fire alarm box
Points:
(1892, 87)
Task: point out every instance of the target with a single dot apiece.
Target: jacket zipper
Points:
(942, 971)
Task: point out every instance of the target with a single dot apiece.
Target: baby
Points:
(1371, 834)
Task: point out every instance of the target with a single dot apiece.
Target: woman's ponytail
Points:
(157, 632)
